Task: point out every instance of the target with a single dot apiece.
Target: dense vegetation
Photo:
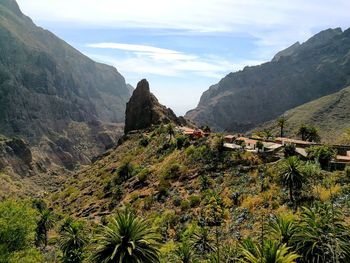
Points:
(161, 196)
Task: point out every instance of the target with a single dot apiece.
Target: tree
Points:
(291, 175)
(267, 134)
(259, 145)
(127, 239)
(309, 133)
(125, 172)
(322, 154)
(289, 150)
(322, 235)
(72, 241)
(170, 130)
(17, 226)
(313, 135)
(45, 223)
(302, 131)
(206, 128)
(281, 121)
(269, 252)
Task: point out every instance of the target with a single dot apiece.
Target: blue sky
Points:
(184, 46)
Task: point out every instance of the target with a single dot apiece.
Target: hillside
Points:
(67, 107)
(178, 183)
(330, 114)
(297, 75)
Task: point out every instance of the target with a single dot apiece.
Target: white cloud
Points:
(165, 62)
(275, 23)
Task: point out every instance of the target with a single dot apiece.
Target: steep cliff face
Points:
(297, 75)
(143, 110)
(60, 101)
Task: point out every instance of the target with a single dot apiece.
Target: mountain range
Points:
(65, 106)
(299, 74)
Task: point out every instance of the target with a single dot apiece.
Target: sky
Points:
(184, 46)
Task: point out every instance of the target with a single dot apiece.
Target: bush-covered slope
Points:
(182, 185)
(330, 114)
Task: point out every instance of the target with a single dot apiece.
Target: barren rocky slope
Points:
(67, 107)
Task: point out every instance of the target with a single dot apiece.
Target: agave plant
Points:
(184, 252)
(282, 228)
(322, 235)
(269, 252)
(128, 239)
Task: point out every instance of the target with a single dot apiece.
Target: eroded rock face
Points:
(143, 110)
(16, 155)
(66, 106)
(297, 75)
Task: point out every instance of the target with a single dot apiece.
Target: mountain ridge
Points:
(330, 114)
(66, 106)
(244, 99)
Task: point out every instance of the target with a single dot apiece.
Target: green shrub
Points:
(195, 200)
(143, 175)
(182, 141)
(322, 154)
(125, 172)
(17, 225)
(163, 187)
(144, 142)
(177, 201)
(185, 204)
(347, 170)
(147, 202)
(173, 171)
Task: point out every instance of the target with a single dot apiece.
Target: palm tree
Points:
(170, 130)
(322, 235)
(267, 134)
(46, 222)
(269, 252)
(281, 123)
(72, 241)
(303, 130)
(313, 135)
(291, 175)
(322, 154)
(127, 239)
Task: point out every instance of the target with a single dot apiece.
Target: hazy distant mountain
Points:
(299, 74)
(62, 102)
(331, 114)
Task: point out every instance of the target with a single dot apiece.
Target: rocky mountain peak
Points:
(12, 6)
(143, 110)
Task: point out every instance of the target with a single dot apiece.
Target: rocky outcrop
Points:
(62, 103)
(16, 155)
(297, 75)
(143, 110)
